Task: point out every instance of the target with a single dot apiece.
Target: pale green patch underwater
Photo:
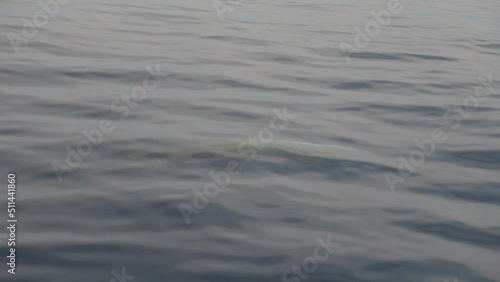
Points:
(301, 151)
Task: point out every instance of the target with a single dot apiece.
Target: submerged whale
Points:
(243, 150)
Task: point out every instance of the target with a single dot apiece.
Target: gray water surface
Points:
(214, 82)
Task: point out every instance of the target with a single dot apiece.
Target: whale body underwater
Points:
(293, 150)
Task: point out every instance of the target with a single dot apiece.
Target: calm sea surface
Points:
(251, 140)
